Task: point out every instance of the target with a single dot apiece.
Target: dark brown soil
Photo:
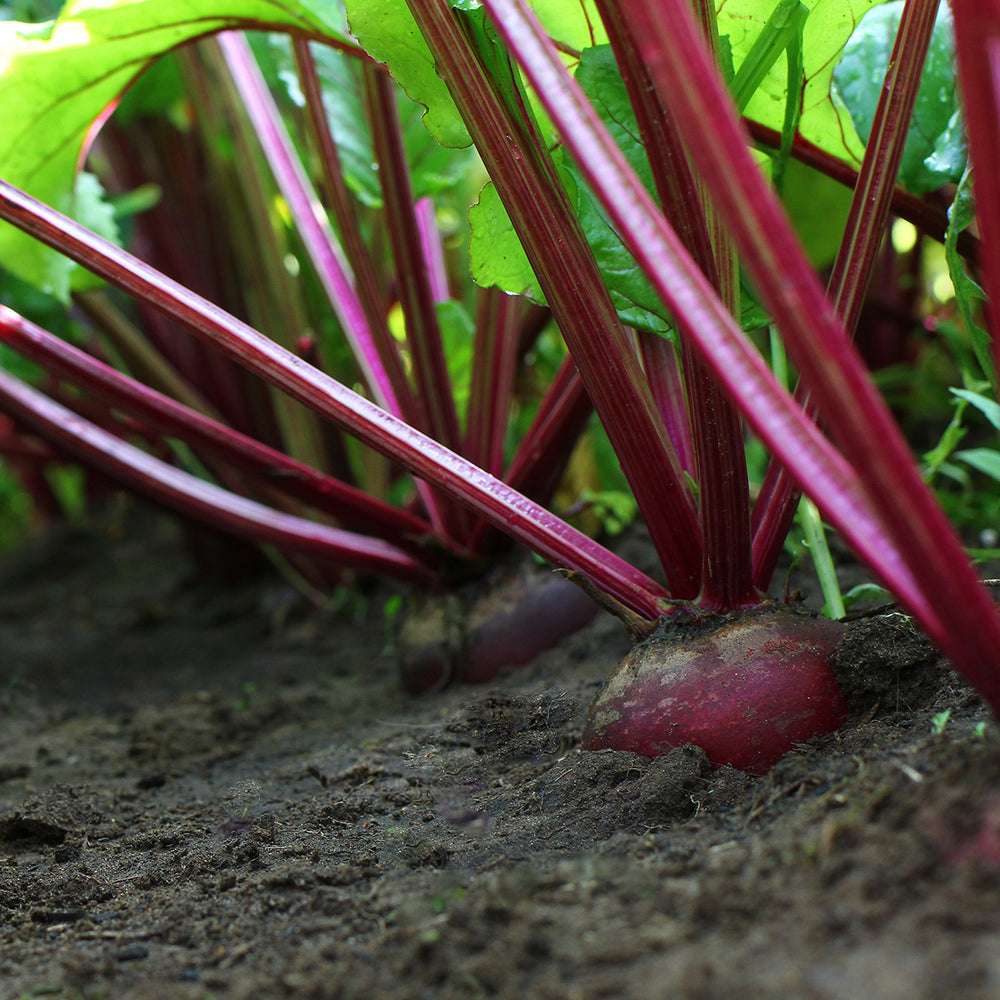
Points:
(213, 793)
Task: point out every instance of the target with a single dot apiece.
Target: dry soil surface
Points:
(211, 792)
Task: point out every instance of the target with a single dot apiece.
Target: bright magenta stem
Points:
(513, 513)
(197, 498)
(780, 423)
(314, 228)
(977, 41)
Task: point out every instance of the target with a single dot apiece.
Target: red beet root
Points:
(506, 627)
(745, 687)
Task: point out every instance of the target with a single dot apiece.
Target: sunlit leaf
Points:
(825, 121)
(57, 78)
(387, 30)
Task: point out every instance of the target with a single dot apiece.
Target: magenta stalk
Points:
(197, 498)
(513, 513)
(352, 507)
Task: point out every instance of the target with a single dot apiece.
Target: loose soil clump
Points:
(215, 792)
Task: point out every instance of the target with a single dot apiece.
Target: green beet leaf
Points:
(388, 32)
(58, 77)
(935, 144)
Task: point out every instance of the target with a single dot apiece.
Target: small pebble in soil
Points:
(132, 952)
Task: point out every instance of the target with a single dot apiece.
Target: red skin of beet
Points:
(506, 629)
(746, 688)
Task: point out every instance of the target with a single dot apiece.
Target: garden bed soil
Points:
(217, 792)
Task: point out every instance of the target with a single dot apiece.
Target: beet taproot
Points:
(746, 687)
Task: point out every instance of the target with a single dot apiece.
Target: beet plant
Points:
(635, 153)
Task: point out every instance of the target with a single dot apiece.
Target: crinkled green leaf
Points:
(632, 294)
(637, 304)
(951, 150)
(935, 145)
(496, 256)
(58, 77)
(388, 32)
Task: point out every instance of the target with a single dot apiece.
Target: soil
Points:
(216, 792)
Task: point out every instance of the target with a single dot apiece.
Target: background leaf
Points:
(935, 145)
(388, 32)
(57, 78)
(824, 121)
(495, 252)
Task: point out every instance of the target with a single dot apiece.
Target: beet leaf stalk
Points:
(865, 229)
(195, 497)
(713, 425)
(273, 469)
(912, 548)
(371, 341)
(506, 138)
(491, 499)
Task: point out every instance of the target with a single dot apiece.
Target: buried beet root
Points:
(454, 640)
(745, 687)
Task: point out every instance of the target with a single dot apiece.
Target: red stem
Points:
(574, 289)
(343, 208)
(495, 354)
(666, 382)
(544, 451)
(314, 229)
(197, 498)
(716, 433)
(416, 296)
(863, 236)
(355, 509)
(552, 538)
(432, 249)
(699, 312)
(540, 460)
